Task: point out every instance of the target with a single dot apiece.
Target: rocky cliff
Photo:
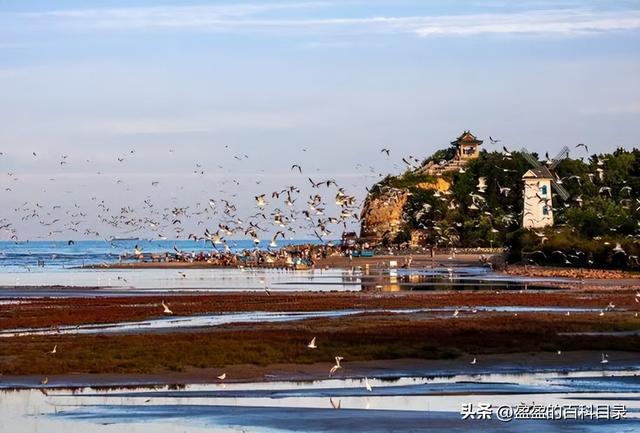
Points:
(383, 214)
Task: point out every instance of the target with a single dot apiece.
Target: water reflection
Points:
(450, 278)
(408, 403)
(115, 282)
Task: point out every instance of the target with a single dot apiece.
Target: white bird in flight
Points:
(604, 358)
(55, 349)
(473, 362)
(482, 184)
(223, 376)
(337, 366)
(312, 343)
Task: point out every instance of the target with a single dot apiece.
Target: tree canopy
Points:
(598, 225)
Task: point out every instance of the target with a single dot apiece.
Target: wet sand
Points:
(54, 311)
(591, 276)
(259, 350)
(512, 363)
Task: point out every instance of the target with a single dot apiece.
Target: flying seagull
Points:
(312, 344)
(583, 145)
(337, 366)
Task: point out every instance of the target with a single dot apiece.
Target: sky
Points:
(129, 92)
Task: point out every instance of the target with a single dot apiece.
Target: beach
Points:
(367, 325)
(429, 333)
(448, 324)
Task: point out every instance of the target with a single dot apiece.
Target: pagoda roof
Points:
(467, 138)
(540, 172)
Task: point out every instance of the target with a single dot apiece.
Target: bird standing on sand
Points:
(312, 344)
(166, 308)
(337, 366)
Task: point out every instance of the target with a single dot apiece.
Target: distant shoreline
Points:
(383, 262)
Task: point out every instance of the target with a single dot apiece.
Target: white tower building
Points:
(538, 205)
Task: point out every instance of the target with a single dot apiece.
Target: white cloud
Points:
(166, 16)
(568, 22)
(264, 19)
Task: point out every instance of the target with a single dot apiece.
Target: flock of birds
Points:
(327, 208)
(284, 212)
(426, 216)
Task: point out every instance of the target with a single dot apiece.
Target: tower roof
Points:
(467, 138)
(540, 172)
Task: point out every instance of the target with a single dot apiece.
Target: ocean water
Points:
(29, 256)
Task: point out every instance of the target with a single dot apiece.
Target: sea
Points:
(29, 256)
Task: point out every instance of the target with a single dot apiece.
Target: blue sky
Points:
(322, 83)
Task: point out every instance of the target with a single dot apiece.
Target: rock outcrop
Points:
(383, 214)
(384, 208)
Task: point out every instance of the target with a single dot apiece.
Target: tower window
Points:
(543, 190)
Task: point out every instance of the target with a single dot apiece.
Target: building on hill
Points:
(538, 205)
(467, 147)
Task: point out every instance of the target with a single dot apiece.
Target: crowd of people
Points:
(299, 256)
